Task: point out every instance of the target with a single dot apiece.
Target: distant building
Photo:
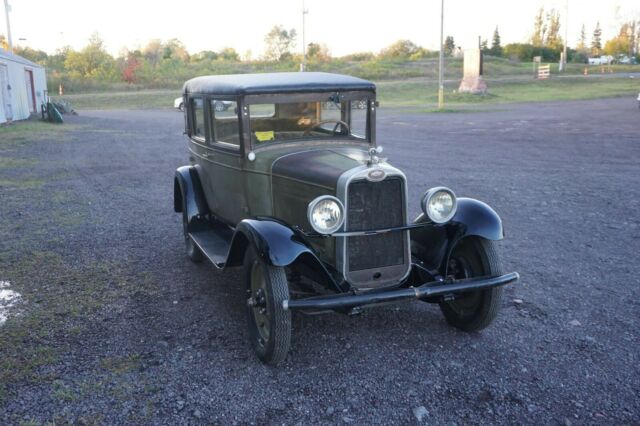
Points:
(23, 86)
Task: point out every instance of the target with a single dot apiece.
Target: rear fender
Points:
(189, 199)
(434, 243)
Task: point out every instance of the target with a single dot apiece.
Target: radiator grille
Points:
(375, 205)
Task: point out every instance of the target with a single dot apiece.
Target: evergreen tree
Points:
(582, 41)
(596, 40)
(449, 46)
(496, 48)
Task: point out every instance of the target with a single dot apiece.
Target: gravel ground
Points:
(114, 325)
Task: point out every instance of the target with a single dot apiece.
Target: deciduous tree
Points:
(92, 61)
(399, 49)
(279, 43)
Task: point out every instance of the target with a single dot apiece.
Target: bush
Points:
(526, 52)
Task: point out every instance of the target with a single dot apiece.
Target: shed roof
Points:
(15, 58)
(270, 83)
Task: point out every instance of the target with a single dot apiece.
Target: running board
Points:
(214, 244)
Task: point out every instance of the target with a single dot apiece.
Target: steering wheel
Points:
(320, 123)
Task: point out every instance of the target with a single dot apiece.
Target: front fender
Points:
(278, 245)
(434, 243)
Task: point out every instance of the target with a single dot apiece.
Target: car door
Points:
(219, 159)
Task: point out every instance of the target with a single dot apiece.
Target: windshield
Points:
(285, 121)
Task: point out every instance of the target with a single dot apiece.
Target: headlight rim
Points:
(424, 202)
(314, 203)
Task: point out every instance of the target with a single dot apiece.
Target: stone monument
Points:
(472, 81)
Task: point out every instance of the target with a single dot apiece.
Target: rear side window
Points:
(226, 126)
(197, 108)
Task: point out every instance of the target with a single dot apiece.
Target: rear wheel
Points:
(219, 106)
(474, 257)
(193, 251)
(269, 322)
(181, 106)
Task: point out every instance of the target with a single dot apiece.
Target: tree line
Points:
(163, 63)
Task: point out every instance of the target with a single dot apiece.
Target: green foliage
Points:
(91, 62)
(626, 42)
(359, 56)
(318, 52)
(37, 56)
(279, 43)
(526, 52)
(4, 44)
(582, 41)
(449, 46)
(596, 41)
(546, 34)
(399, 49)
(496, 46)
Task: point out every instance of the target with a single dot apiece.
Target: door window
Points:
(226, 125)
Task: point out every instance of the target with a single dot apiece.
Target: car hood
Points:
(318, 167)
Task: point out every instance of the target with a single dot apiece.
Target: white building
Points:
(23, 86)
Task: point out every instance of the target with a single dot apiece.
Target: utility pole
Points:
(6, 14)
(303, 66)
(441, 67)
(566, 35)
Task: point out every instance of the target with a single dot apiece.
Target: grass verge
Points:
(421, 93)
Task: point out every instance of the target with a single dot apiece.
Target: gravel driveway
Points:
(114, 325)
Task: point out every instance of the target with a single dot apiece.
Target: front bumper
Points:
(430, 289)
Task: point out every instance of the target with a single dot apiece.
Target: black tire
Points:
(474, 257)
(269, 323)
(193, 251)
(181, 106)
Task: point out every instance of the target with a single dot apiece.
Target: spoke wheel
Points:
(269, 323)
(473, 311)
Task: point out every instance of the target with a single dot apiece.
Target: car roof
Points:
(272, 83)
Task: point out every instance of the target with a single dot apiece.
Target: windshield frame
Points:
(330, 97)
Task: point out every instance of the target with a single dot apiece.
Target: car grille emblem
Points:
(376, 175)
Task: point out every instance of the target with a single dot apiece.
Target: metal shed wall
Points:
(19, 101)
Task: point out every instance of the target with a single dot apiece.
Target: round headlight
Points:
(439, 204)
(325, 214)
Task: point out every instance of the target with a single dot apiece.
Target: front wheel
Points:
(269, 322)
(474, 257)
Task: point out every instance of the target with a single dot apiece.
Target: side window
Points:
(359, 118)
(197, 125)
(226, 126)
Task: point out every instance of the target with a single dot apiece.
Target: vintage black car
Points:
(289, 182)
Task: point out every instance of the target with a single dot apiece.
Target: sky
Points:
(345, 26)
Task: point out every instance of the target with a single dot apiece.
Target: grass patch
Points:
(424, 94)
(30, 183)
(420, 92)
(145, 99)
(14, 163)
(121, 365)
(23, 133)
